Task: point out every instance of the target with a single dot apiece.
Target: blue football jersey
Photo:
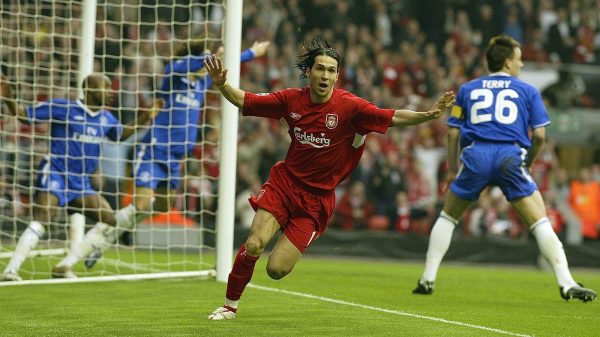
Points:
(498, 108)
(76, 133)
(174, 131)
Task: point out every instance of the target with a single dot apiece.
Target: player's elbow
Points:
(539, 135)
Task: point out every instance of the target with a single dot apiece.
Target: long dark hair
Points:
(317, 46)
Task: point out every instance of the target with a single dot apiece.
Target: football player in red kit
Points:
(328, 127)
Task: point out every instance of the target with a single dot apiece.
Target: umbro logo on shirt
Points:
(79, 118)
(294, 115)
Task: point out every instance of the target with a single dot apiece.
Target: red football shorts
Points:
(301, 213)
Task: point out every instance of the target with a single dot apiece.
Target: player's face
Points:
(104, 94)
(515, 64)
(322, 77)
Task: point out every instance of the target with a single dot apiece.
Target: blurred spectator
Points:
(497, 217)
(586, 40)
(512, 25)
(596, 172)
(429, 156)
(486, 25)
(402, 219)
(561, 192)
(561, 38)
(585, 200)
(565, 92)
(554, 215)
(477, 225)
(386, 181)
(491, 216)
(542, 167)
(533, 49)
(419, 198)
(354, 209)
(244, 212)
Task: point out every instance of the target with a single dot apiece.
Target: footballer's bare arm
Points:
(538, 138)
(214, 67)
(409, 117)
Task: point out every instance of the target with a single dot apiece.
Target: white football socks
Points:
(76, 229)
(99, 237)
(552, 249)
(28, 240)
(126, 219)
(231, 303)
(439, 241)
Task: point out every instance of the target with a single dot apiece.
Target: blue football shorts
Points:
(154, 169)
(493, 164)
(66, 186)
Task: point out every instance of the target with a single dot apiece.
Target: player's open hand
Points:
(443, 103)
(214, 66)
(259, 48)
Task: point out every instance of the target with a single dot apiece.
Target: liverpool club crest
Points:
(331, 121)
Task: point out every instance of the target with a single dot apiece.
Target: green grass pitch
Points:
(322, 297)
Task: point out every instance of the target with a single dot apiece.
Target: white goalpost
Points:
(48, 48)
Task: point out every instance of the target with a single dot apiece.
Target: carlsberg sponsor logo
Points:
(310, 139)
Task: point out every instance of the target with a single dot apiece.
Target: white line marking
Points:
(126, 277)
(393, 312)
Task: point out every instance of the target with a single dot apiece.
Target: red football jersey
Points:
(327, 139)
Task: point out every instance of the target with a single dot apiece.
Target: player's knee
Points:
(44, 216)
(143, 203)
(277, 268)
(108, 218)
(254, 246)
(277, 272)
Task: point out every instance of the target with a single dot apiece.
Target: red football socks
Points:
(241, 273)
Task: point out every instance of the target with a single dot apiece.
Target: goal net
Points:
(42, 58)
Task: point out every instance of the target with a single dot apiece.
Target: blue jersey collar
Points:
(88, 110)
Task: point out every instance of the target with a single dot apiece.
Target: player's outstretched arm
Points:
(218, 74)
(144, 115)
(409, 117)
(14, 107)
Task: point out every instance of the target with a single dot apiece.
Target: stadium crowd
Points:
(396, 53)
(415, 52)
